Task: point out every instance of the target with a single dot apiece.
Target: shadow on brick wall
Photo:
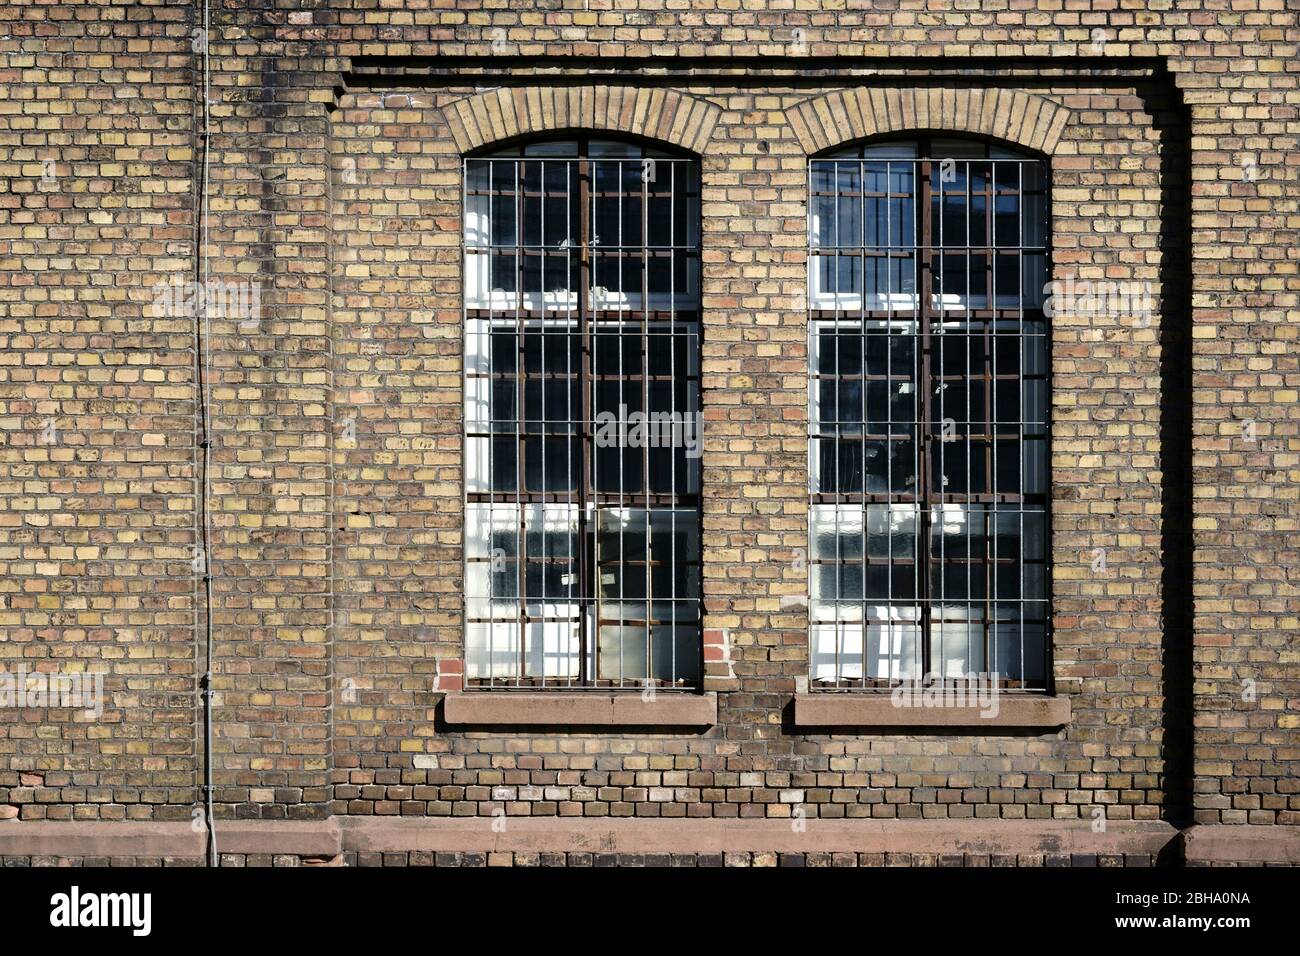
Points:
(1173, 120)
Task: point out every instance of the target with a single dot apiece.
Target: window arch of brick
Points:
(505, 114)
(1023, 119)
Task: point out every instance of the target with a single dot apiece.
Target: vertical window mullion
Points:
(813, 453)
(521, 378)
(672, 411)
(544, 430)
(570, 517)
(622, 457)
(864, 626)
(990, 432)
(839, 418)
(645, 408)
(1020, 414)
(968, 517)
(888, 624)
(589, 573)
(925, 451)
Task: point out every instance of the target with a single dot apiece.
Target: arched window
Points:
(583, 437)
(928, 414)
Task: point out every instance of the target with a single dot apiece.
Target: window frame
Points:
(828, 312)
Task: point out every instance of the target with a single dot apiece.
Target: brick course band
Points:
(327, 839)
(373, 834)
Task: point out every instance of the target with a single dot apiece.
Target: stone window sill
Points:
(579, 709)
(879, 710)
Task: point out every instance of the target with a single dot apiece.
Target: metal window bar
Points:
(508, 266)
(978, 567)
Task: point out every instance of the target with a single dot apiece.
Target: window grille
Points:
(582, 435)
(928, 396)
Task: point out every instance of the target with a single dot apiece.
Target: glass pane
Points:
(675, 653)
(836, 533)
(893, 650)
(957, 149)
(1035, 220)
(1018, 652)
(552, 553)
(891, 531)
(674, 554)
(638, 549)
(835, 652)
(839, 353)
(492, 554)
(1035, 472)
(958, 648)
(1007, 467)
(492, 650)
(1006, 216)
(898, 149)
(551, 649)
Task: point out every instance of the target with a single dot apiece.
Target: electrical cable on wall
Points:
(203, 372)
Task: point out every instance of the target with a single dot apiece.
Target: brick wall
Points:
(334, 476)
